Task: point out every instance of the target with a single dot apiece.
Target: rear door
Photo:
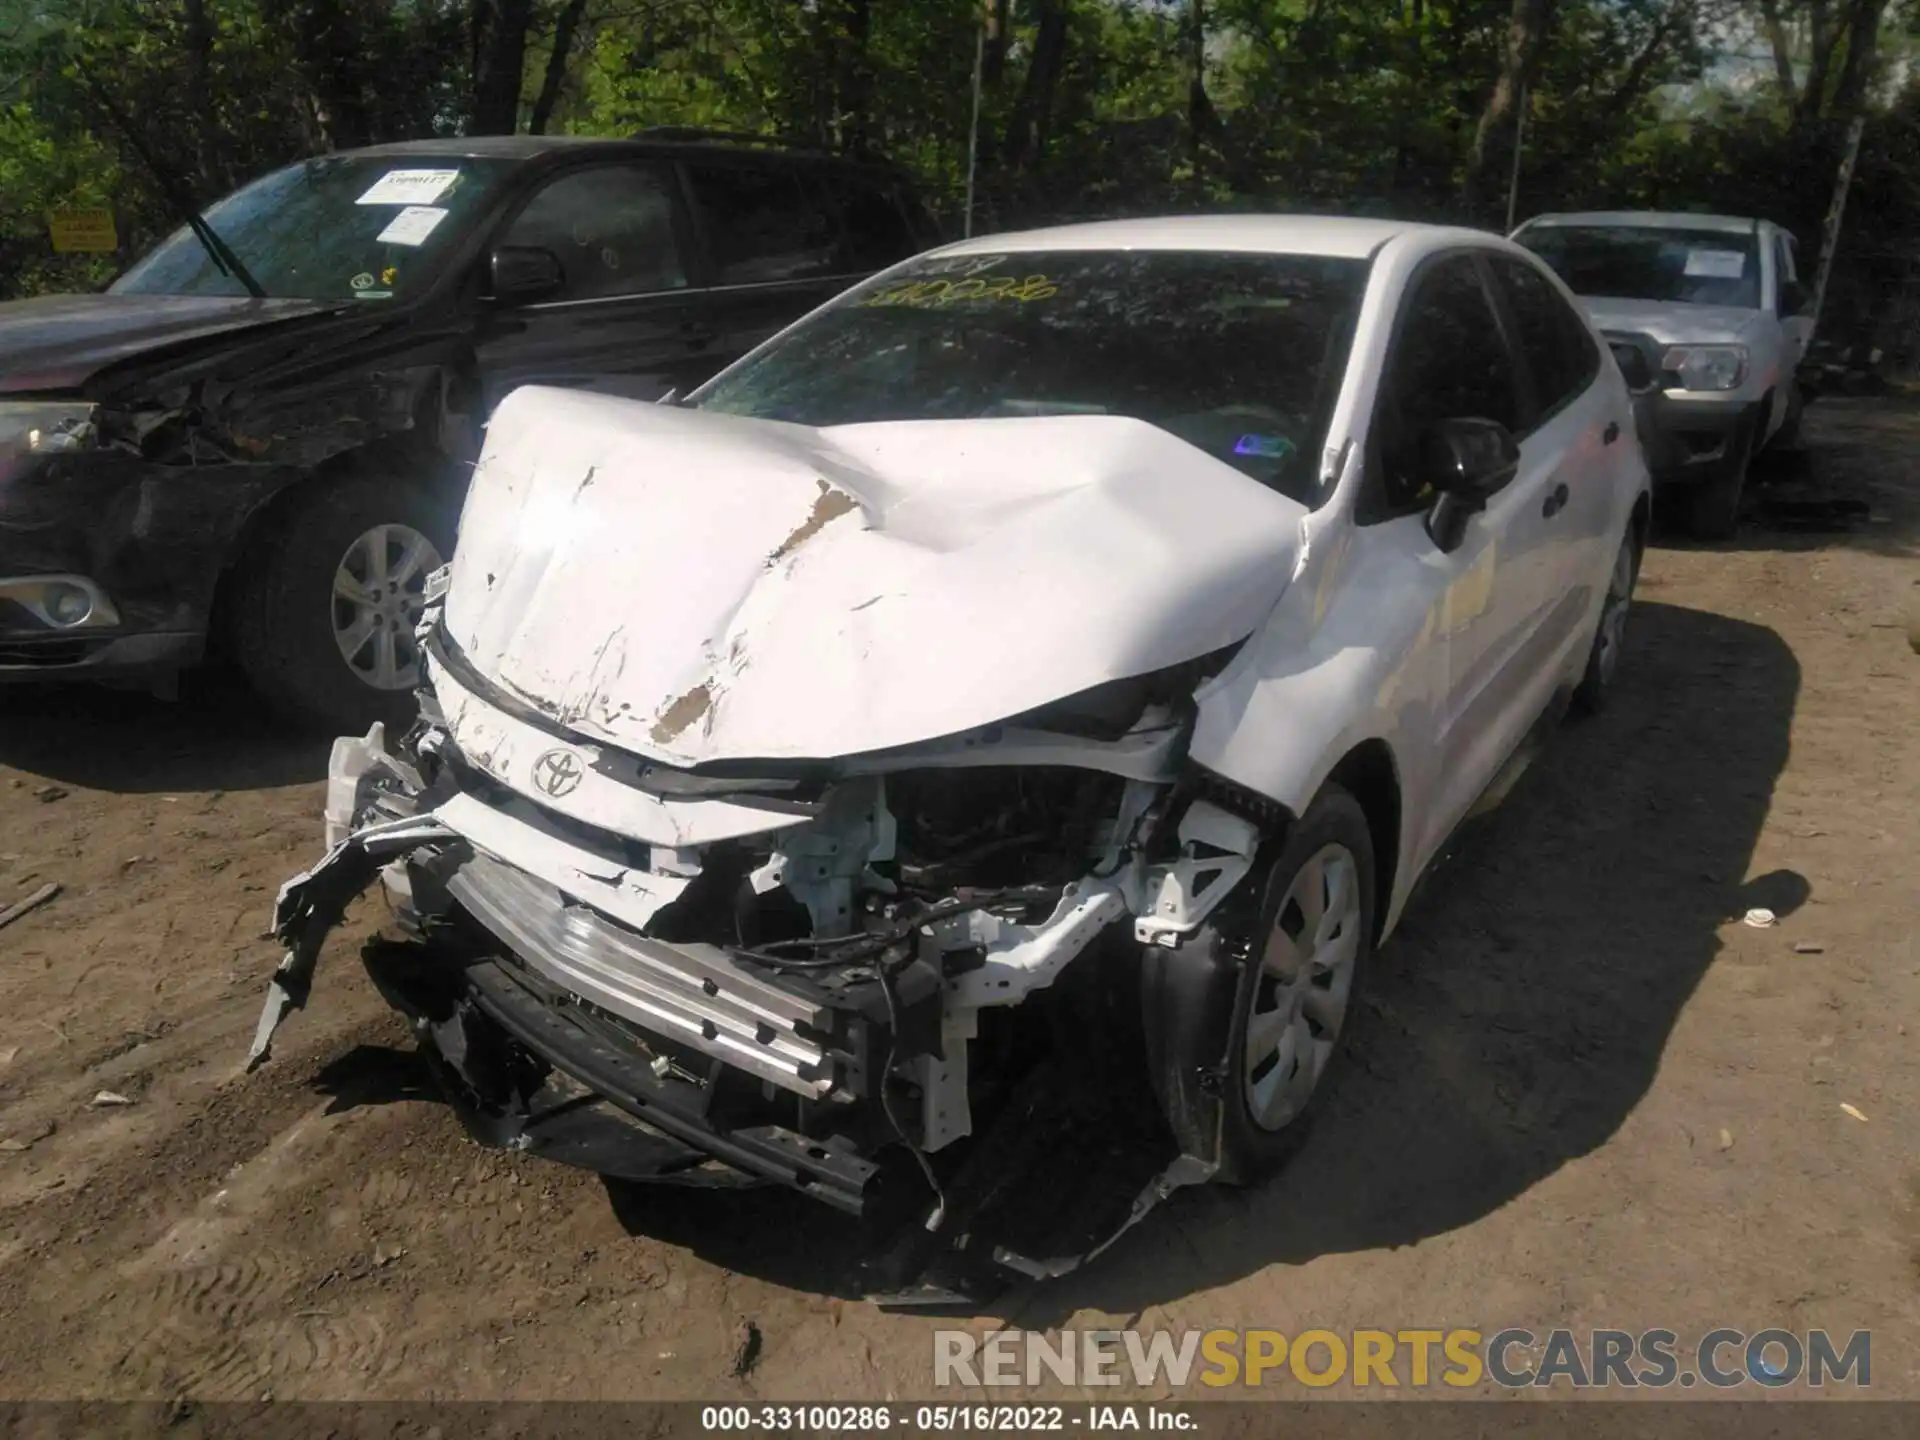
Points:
(628, 319)
(1450, 359)
(1572, 437)
(772, 239)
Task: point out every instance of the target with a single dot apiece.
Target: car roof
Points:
(531, 147)
(1654, 219)
(1335, 236)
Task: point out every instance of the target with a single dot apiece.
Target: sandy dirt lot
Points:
(1587, 1094)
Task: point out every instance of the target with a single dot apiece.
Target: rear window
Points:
(875, 228)
(1239, 355)
(763, 225)
(1652, 262)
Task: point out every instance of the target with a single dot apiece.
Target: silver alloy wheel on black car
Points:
(1307, 965)
(332, 587)
(378, 596)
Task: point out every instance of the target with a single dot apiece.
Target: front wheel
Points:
(1714, 503)
(1297, 987)
(329, 600)
(1603, 660)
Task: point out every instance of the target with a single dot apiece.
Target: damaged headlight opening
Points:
(44, 427)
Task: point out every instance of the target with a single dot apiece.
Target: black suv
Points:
(254, 440)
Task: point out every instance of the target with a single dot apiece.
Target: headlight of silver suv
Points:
(1706, 367)
(44, 427)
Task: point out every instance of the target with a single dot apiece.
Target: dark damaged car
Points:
(255, 443)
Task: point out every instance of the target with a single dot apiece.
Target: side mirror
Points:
(1635, 368)
(1793, 298)
(524, 273)
(1468, 461)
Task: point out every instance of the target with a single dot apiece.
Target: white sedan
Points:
(958, 762)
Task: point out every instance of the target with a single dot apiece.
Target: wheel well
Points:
(261, 521)
(1367, 773)
(1639, 523)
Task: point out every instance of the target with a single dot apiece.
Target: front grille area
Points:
(695, 995)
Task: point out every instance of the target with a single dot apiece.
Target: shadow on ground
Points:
(215, 736)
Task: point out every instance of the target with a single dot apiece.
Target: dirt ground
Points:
(1587, 1095)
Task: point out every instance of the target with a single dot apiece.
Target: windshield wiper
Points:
(224, 260)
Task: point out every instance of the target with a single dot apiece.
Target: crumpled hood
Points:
(697, 587)
(1668, 322)
(59, 342)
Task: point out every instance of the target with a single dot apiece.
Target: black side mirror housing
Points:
(1793, 298)
(1468, 461)
(522, 274)
(1635, 368)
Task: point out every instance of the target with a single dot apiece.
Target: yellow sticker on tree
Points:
(82, 231)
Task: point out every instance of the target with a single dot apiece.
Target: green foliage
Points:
(1087, 107)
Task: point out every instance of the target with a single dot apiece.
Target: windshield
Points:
(332, 228)
(1646, 262)
(1240, 355)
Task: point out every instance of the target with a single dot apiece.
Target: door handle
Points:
(697, 333)
(1555, 501)
(1611, 433)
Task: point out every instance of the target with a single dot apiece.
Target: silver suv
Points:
(1709, 321)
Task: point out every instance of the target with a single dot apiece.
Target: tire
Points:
(1713, 511)
(1788, 435)
(1257, 1139)
(1603, 660)
(292, 616)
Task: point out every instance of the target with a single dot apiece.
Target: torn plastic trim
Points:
(312, 903)
(1184, 1171)
(1217, 849)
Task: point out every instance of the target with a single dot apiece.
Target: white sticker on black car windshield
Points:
(411, 226)
(1716, 264)
(409, 187)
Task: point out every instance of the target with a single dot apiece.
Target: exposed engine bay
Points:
(840, 1003)
(976, 987)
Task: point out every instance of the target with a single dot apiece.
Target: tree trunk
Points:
(1782, 48)
(1861, 35)
(1199, 107)
(853, 75)
(993, 59)
(556, 75)
(1038, 87)
(1526, 31)
(1634, 83)
(1820, 46)
(199, 41)
(329, 46)
(503, 56)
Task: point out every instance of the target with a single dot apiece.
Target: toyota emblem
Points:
(558, 772)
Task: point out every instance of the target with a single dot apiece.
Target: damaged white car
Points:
(958, 762)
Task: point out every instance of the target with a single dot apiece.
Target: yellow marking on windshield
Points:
(932, 294)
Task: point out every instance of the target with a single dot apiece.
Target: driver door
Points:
(1451, 359)
(629, 318)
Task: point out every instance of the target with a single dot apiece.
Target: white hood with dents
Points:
(695, 587)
